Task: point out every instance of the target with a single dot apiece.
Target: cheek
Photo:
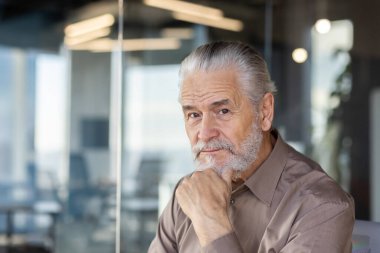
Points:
(191, 134)
(232, 133)
(239, 132)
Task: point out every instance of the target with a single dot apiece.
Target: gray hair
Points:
(252, 70)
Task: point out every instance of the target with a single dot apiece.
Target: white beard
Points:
(238, 160)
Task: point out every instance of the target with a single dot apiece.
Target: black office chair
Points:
(79, 186)
(81, 190)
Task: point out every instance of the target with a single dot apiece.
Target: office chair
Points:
(366, 237)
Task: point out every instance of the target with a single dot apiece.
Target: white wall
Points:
(90, 98)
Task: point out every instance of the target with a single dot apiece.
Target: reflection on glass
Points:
(157, 152)
(32, 145)
(88, 223)
(57, 186)
(331, 86)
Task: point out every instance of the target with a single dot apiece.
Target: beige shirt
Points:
(288, 205)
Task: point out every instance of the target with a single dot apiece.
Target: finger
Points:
(227, 177)
(183, 187)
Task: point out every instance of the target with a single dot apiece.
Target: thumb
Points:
(227, 177)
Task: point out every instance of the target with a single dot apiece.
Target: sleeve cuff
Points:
(225, 244)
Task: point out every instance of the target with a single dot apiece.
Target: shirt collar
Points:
(263, 181)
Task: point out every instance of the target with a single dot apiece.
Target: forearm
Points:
(208, 229)
(225, 244)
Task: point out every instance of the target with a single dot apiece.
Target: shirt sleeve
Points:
(225, 244)
(326, 228)
(165, 241)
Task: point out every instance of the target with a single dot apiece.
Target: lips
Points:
(207, 152)
(210, 150)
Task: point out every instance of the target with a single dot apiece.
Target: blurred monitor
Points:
(94, 133)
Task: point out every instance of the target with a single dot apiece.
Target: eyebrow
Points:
(213, 105)
(220, 102)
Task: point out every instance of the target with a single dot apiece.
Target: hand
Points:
(204, 197)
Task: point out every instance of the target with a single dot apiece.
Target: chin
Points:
(209, 162)
(220, 167)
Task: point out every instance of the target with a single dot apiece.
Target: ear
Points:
(267, 111)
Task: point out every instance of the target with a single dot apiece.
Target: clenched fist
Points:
(204, 197)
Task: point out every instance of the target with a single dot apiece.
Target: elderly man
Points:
(250, 192)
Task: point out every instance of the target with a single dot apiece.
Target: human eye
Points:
(193, 115)
(224, 111)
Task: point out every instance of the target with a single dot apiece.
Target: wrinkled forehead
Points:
(208, 83)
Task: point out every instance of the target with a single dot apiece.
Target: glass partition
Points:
(92, 141)
(33, 102)
(57, 180)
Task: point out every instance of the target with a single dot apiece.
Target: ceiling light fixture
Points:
(323, 26)
(89, 25)
(71, 41)
(107, 45)
(151, 44)
(185, 7)
(199, 14)
(222, 22)
(180, 33)
(299, 55)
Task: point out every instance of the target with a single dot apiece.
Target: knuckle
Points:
(197, 173)
(212, 172)
(179, 192)
(184, 182)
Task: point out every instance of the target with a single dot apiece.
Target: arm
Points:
(204, 197)
(326, 228)
(224, 244)
(165, 241)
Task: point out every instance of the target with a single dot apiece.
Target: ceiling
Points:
(39, 24)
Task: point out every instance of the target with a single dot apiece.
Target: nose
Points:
(207, 129)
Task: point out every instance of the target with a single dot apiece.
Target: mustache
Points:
(200, 146)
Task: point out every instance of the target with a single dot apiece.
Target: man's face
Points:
(220, 121)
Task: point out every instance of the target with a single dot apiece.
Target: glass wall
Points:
(57, 183)
(92, 141)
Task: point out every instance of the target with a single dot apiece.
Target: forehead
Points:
(202, 86)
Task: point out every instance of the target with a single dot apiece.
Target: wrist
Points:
(210, 229)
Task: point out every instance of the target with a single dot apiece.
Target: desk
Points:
(9, 209)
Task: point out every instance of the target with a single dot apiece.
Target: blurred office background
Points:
(91, 134)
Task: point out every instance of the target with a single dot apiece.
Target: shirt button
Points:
(232, 201)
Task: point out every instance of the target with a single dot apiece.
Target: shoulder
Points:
(310, 184)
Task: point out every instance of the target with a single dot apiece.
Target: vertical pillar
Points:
(375, 158)
(18, 115)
